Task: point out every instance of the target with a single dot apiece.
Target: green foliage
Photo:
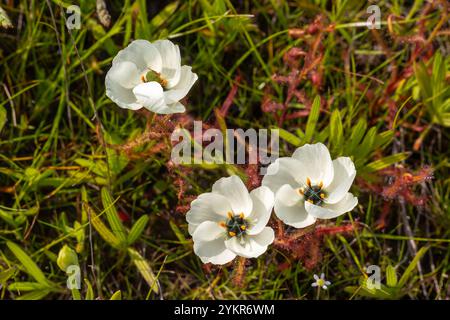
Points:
(434, 88)
(66, 180)
(394, 288)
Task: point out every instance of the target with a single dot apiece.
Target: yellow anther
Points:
(310, 201)
(301, 191)
(322, 196)
(231, 233)
(241, 215)
(308, 182)
(230, 214)
(320, 184)
(243, 227)
(222, 224)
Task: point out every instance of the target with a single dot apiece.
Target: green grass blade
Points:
(113, 217)
(29, 265)
(144, 269)
(137, 229)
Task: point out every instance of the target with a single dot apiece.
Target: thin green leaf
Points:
(27, 286)
(289, 137)
(144, 269)
(31, 267)
(137, 229)
(412, 266)
(312, 120)
(34, 295)
(336, 131)
(116, 295)
(113, 217)
(391, 276)
(89, 291)
(385, 162)
(102, 229)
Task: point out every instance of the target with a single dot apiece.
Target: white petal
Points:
(290, 208)
(181, 89)
(263, 200)
(330, 211)
(209, 244)
(142, 53)
(314, 284)
(123, 97)
(171, 61)
(251, 246)
(235, 191)
(169, 109)
(316, 161)
(316, 277)
(207, 207)
(209, 231)
(344, 174)
(284, 171)
(150, 95)
(125, 73)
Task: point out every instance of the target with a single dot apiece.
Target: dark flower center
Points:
(313, 193)
(236, 225)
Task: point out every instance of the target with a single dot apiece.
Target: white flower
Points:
(230, 221)
(309, 185)
(149, 75)
(320, 282)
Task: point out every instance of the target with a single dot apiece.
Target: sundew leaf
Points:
(113, 217)
(144, 269)
(31, 268)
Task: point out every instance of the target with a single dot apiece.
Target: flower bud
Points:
(66, 258)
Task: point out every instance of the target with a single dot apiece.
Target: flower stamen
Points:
(314, 194)
(236, 225)
(308, 182)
